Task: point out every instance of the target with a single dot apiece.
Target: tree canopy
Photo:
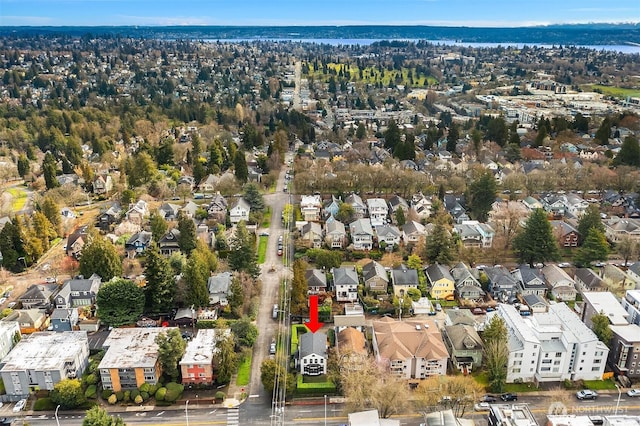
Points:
(601, 328)
(120, 302)
(242, 256)
(482, 195)
(98, 416)
(439, 246)
(535, 241)
(99, 257)
(159, 290)
(629, 154)
(496, 353)
(594, 247)
(171, 347)
(589, 219)
(68, 394)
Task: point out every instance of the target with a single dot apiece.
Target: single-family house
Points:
(378, 211)
(76, 241)
(67, 213)
(335, 233)
(29, 320)
(466, 284)
(441, 283)
(331, 206)
(403, 279)
(530, 280)
(169, 242)
(474, 234)
(137, 213)
(218, 286)
(351, 345)
(618, 280)
(131, 358)
(567, 235)
(587, 280)
(78, 291)
(345, 283)
(560, 284)
(412, 231)
(38, 296)
(421, 205)
(464, 345)
(616, 229)
(361, 234)
(168, 211)
(536, 303)
(388, 234)
(312, 354)
(217, 209)
(316, 281)
(240, 211)
(411, 349)
(375, 277)
(396, 203)
(64, 319)
(189, 210)
(43, 360)
(102, 184)
(137, 243)
(109, 217)
(359, 207)
(502, 285)
(310, 207)
(311, 233)
(209, 183)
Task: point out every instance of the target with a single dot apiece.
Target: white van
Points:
(274, 314)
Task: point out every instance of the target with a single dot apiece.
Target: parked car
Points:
(2, 300)
(509, 397)
(19, 405)
(272, 348)
(488, 398)
(481, 406)
(586, 394)
(564, 265)
(633, 392)
(274, 314)
(438, 307)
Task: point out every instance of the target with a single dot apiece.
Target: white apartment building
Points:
(551, 346)
(631, 304)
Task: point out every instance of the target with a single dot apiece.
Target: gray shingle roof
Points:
(313, 343)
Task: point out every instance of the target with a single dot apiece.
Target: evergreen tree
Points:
(158, 226)
(439, 246)
(187, 238)
(589, 219)
(535, 241)
(171, 347)
(120, 302)
(594, 247)
(196, 275)
(482, 195)
(23, 165)
(242, 256)
(452, 137)
(299, 288)
(629, 154)
(253, 196)
(11, 247)
(49, 170)
(159, 290)
(99, 257)
(240, 166)
(603, 132)
(51, 210)
(400, 218)
(361, 132)
(392, 135)
(226, 358)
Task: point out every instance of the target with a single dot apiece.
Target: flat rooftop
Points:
(200, 349)
(608, 304)
(47, 350)
(132, 347)
(513, 414)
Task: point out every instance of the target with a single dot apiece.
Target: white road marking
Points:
(160, 413)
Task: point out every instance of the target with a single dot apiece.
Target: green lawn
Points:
(262, 249)
(618, 92)
(266, 218)
(483, 380)
(599, 384)
(371, 75)
(19, 198)
(244, 370)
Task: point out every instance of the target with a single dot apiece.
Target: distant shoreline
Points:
(592, 35)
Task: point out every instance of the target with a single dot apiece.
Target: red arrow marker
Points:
(313, 325)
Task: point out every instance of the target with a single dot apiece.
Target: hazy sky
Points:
(323, 12)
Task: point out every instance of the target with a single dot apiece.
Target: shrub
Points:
(174, 390)
(145, 395)
(138, 399)
(90, 379)
(145, 387)
(220, 395)
(44, 404)
(153, 389)
(91, 392)
(134, 393)
(120, 395)
(106, 393)
(112, 399)
(160, 394)
(127, 396)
